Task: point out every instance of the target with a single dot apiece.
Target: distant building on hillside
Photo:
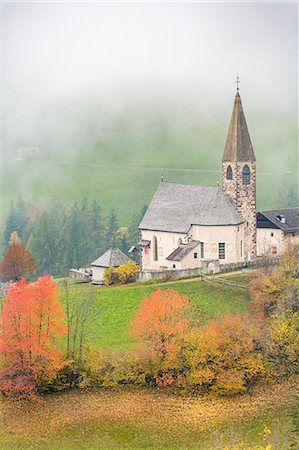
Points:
(27, 153)
(113, 257)
(276, 230)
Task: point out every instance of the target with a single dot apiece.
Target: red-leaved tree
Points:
(161, 323)
(32, 320)
(17, 262)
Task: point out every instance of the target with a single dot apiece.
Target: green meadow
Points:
(114, 307)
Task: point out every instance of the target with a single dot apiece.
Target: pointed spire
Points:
(238, 145)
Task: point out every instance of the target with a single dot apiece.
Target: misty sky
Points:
(179, 58)
(64, 49)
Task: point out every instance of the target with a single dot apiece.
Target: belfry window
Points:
(246, 175)
(229, 173)
(155, 249)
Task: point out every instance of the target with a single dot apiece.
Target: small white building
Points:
(276, 230)
(113, 257)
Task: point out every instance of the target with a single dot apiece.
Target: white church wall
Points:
(166, 242)
(231, 235)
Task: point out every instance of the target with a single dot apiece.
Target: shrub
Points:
(128, 272)
(111, 276)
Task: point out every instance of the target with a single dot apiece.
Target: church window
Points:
(173, 266)
(241, 248)
(221, 250)
(179, 241)
(155, 249)
(195, 255)
(272, 234)
(246, 175)
(229, 173)
(202, 250)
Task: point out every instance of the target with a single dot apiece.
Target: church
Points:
(189, 226)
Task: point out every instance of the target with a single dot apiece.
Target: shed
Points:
(113, 257)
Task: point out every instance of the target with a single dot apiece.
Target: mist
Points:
(147, 88)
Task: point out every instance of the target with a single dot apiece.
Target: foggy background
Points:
(115, 95)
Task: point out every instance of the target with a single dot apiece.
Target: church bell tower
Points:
(239, 173)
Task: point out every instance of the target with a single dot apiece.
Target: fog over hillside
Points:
(114, 95)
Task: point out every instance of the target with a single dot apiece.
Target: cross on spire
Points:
(238, 82)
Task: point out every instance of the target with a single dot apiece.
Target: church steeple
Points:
(239, 173)
(238, 145)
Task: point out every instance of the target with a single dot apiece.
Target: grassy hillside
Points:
(109, 325)
(119, 158)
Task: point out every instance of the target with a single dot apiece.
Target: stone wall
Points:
(168, 274)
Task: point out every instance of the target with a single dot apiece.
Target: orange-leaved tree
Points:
(161, 324)
(17, 262)
(32, 321)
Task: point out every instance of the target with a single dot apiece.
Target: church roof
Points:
(238, 145)
(175, 207)
(183, 250)
(285, 219)
(112, 257)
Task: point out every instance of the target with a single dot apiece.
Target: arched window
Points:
(155, 249)
(229, 173)
(179, 241)
(246, 175)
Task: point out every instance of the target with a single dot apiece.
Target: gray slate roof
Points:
(183, 250)
(238, 145)
(175, 207)
(112, 257)
(291, 216)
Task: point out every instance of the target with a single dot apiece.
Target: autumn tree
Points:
(222, 356)
(17, 262)
(32, 322)
(161, 323)
(274, 290)
(275, 305)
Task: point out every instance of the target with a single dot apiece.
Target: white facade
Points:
(225, 243)
(98, 274)
(273, 241)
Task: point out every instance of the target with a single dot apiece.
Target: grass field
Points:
(109, 324)
(242, 278)
(122, 419)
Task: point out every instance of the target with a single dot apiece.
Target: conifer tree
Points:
(111, 230)
(16, 220)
